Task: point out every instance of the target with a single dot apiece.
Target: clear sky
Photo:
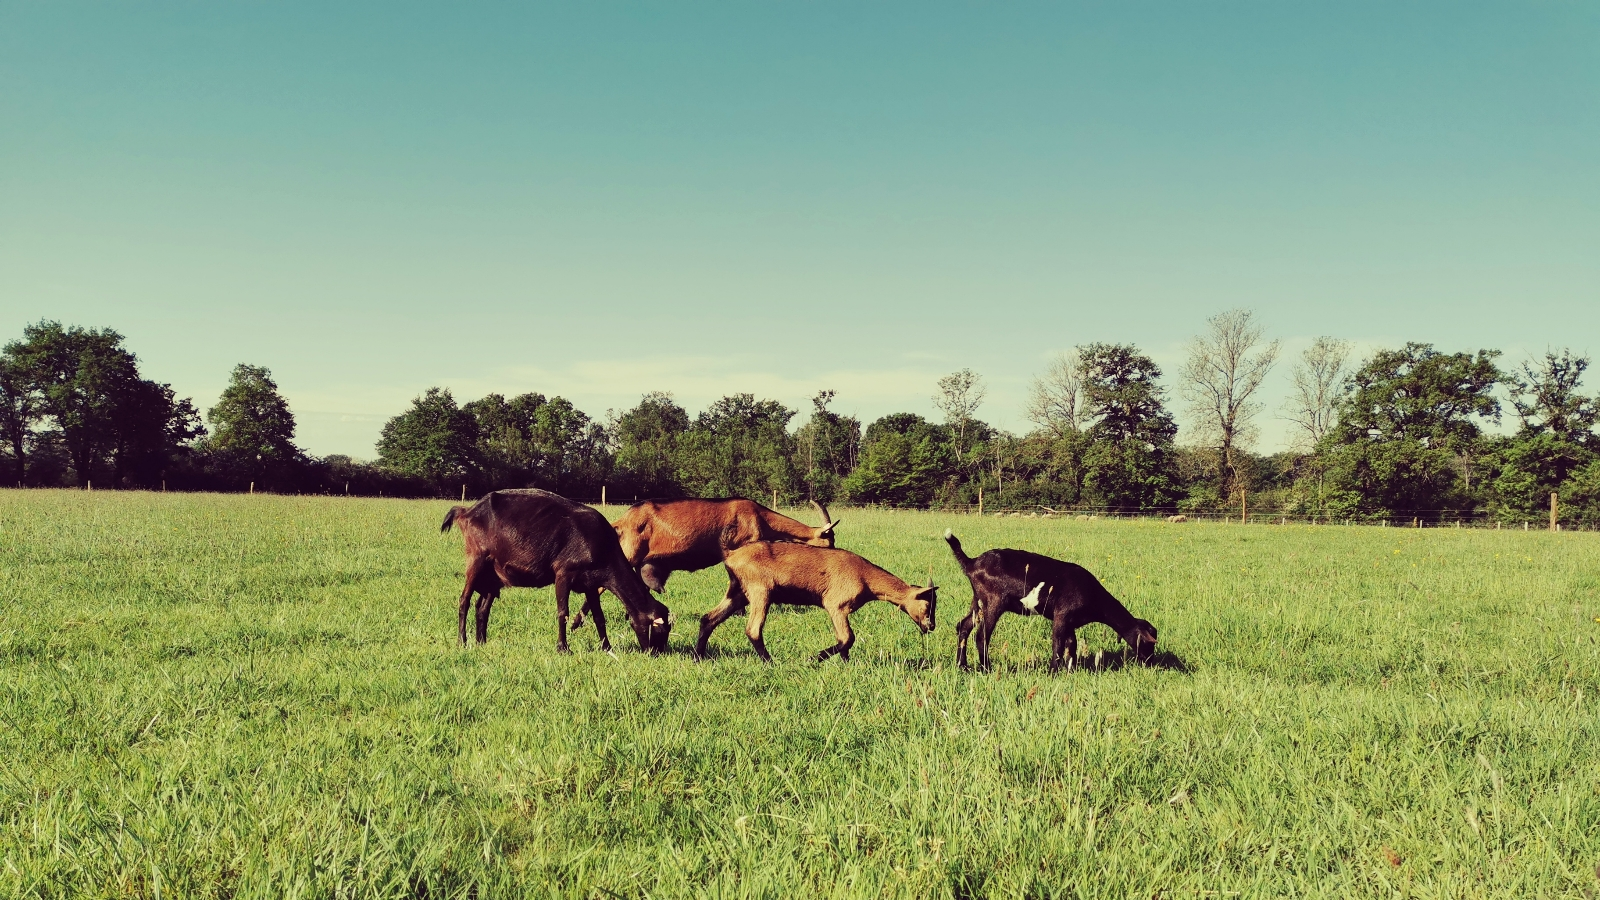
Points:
(599, 200)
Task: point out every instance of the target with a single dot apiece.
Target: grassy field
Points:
(262, 696)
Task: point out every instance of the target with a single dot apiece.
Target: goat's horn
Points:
(826, 519)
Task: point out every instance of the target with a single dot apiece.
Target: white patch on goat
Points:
(1031, 601)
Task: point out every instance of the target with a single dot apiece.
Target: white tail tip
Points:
(949, 534)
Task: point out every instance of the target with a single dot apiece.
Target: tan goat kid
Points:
(839, 581)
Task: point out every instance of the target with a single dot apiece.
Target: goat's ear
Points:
(928, 593)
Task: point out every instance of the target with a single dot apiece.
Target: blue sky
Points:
(600, 200)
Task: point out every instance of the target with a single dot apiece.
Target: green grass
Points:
(262, 696)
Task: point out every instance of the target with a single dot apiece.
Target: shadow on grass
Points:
(1113, 660)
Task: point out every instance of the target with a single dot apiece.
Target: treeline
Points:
(1401, 435)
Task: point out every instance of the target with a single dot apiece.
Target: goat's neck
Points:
(1113, 614)
(781, 524)
(887, 587)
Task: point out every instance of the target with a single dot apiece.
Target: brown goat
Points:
(839, 581)
(660, 537)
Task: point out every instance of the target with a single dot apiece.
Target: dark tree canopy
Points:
(86, 385)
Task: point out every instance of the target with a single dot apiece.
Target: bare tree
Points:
(1318, 384)
(960, 395)
(1225, 368)
(1055, 398)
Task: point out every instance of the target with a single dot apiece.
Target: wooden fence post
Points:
(463, 493)
(602, 495)
(1553, 524)
(252, 487)
(1244, 511)
(980, 503)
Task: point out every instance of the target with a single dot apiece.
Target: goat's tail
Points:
(955, 547)
(450, 517)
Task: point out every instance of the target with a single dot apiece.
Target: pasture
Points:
(237, 696)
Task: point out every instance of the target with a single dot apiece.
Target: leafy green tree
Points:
(434, 441)
(905, 461)
(740, 447)
(1556, 438)
(645, 442)
(828, 446)
(1580, 497)
(1129, 461)
(106, 416)
(252, 428)
(533, 441)
(1406, 429)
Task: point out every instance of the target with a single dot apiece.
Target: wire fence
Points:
(1380, 518)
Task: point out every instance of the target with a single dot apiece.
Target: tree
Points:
(904, 461)
(435, 441)
(1225, 368)
(960, 395)
(739, 447)
(1555, 441)
(107, 417)
(1055, 399)
(1546, 399)
(829, 445)
(645, 440)
(20, 410)
(1318, 386)
(1405, 429)
(151, 427)
(1128, 463)
(252, 427)
(532, 441)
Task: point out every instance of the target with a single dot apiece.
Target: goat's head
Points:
(653, 625)
(1141, 637)
(920, 605)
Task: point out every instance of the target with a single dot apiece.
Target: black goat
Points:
(1030, 584)
(533, 538)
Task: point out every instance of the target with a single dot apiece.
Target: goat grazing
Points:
(839, 581)
(660, 537)
(1026, 583)
(532, 538)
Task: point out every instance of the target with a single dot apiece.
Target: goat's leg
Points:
(731, 603)
(841, 633)
(563, 591)
(963, 629)
(466, 601)
(475, 570)
(1062, 637)
(986, 627)
(753, 624)
(485, 603)
(592, 605)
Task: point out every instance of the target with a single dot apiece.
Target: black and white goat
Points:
(1029, 584)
